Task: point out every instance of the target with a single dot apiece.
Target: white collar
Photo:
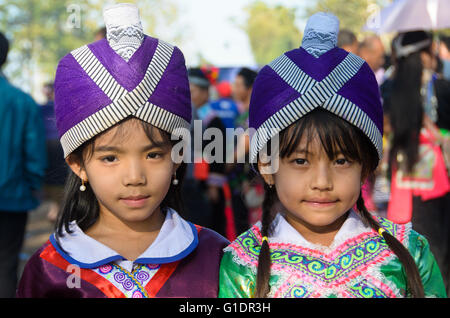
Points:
(283, 232)
(176, 239)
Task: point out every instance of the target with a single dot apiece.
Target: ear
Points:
(268, 178)
(76, 167)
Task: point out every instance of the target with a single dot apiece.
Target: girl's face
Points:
(314, 190)
(129, 175)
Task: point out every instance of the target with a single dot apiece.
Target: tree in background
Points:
(271, 31)
(42, 32)
(352, 14)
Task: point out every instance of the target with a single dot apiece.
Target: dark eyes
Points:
(154, 155)
(111, 158)
(302, 161)
(341, 161)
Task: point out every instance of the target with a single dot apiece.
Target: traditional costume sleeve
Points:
(432, 280)
(30, 285)
(48, 275)
(235, 280)
(41, 279)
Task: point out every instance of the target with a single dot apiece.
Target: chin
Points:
(318, 219)
(136, 216)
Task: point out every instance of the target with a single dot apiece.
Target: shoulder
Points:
(210, 239)
(415, 242)
(245, 248)
(41, 258)
(36, 260)
(238, 266)
(401, 232)
(10, 91)
(40, 274)
(47, 254)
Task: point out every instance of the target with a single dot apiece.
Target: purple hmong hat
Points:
(318, 74)
(126, 74)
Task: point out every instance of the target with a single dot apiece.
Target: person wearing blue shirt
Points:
(22, 166)
(226, 109)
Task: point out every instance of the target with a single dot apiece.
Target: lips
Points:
(135, 201)
(135, 197)
(320, 202)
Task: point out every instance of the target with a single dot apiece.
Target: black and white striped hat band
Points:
(315, 94)
(124, 103)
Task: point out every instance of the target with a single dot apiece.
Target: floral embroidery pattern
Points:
(132, 284)
(306, 272)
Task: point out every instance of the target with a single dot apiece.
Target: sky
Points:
(211, 27)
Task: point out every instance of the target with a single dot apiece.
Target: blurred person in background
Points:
(347, 41)
(22, 168)
(56, 172)
(419, 178)
(242, 88)
(224, 106)
(100, 34)
(371, 49)
(247, 190)
(444, 55)
(205, 182)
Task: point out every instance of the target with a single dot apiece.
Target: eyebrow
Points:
(302, 151)
(306, 152)
(120, 150)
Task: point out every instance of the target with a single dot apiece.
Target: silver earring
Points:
(82, 186)
(175, 180)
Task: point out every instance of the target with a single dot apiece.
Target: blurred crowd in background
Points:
(414, 79)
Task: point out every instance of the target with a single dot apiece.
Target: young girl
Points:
(118, 100)
(323, 105)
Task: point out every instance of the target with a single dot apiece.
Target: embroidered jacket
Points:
(358, 263)
(183, 261)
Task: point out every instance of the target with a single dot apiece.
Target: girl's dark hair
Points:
(335, 135)
(405, 103)
(83, 207)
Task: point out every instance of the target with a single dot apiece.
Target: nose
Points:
(134, 174)
(322, 178)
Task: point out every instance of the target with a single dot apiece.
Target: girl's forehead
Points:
(129, 132)
(312, 145)
(309, 140)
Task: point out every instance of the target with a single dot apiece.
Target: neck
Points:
(246, 102)
(109, 223)
(323, 235)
